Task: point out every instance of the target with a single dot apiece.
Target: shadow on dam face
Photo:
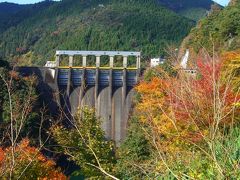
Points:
(89, 97)
(109, 92)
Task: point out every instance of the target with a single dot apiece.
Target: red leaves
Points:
(209, 68)
(202, 97)
(193, 105)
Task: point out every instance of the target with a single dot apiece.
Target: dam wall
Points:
(109, 91)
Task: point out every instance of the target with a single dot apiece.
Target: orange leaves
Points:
(184, 117)
(24, 143)
(232, 68)
(151, 97)
(149, 87)
(151, 92)
(185, 109)
(29, 161)
(232, 55)
(1, 156)
(55, 175)
(14, 75)
(153, 108)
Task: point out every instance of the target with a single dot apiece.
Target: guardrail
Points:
(111, 54)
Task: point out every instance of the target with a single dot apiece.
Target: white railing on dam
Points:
(97, 54)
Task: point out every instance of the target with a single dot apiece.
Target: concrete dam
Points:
(109, 90)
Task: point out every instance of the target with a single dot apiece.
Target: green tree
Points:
(18, 97)
(86, 145)
(134, 153)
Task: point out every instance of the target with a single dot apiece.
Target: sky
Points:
(22, 1)
(222, 2)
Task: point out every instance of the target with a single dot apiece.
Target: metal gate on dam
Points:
(108, 89)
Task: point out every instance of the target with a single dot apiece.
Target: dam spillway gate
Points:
(109, 90)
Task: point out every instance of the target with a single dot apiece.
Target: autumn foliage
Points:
(231, 62)
(29, 163)
(187, 112)
(188, 103)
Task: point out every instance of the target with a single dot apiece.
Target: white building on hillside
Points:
(51, 64)
(156, 61)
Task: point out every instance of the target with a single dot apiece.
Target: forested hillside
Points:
(97, 25)
(12, 14)
(220, 29)
(193, 9)
(6, 11)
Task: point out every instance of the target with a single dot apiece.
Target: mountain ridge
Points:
(11, 8)
(11, 14)
(140, 25)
